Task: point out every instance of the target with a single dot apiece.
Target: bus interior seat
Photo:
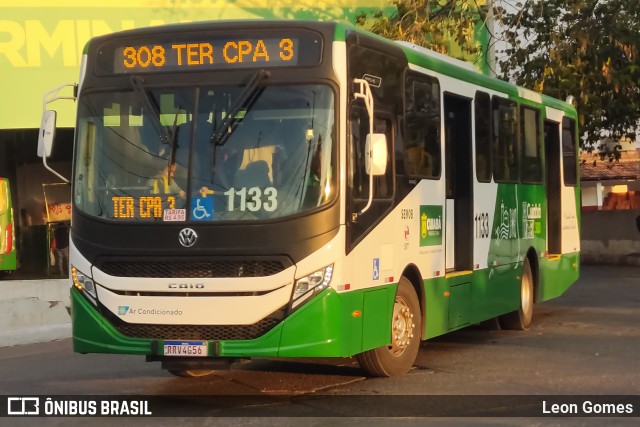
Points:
(255, 174)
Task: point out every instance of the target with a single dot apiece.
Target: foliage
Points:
(585, 48)
(433, 24)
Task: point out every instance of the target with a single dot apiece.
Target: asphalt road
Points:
(586, 342)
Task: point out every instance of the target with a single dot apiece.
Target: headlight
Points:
(83, 283)
(309, 285)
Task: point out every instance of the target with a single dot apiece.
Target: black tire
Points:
(492, 324)
(520, 319)
(191, 373)
(397, 357)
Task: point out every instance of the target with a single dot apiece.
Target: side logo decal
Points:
(430, 225)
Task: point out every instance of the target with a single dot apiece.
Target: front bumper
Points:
(326, 326)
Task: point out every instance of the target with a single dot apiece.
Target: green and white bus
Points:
(7, 234)
(307, 189)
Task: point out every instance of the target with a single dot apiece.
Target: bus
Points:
(7, 234)
(307, 189)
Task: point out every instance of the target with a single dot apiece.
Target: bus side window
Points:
(505, 153)
(531, 159)
(569, 164)
(422, 126)
(482, 104)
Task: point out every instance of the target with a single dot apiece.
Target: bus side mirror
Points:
(375, 154)
(47, 133)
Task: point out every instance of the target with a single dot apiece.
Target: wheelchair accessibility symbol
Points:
(376, 268)
(202, 209)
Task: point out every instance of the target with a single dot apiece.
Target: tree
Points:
(585, 48)
(433, 24)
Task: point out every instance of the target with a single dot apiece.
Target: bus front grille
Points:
(174, 268)
(195, 332)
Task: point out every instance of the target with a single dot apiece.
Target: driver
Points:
(165, 183)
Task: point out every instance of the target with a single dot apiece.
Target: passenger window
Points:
(505, 157)
(482, 105)
(531, 159)
(422, 127)
(569, 152)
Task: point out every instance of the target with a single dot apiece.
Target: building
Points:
(610, 177)
(611, 204)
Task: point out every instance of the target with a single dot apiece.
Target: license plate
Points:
(185, 348)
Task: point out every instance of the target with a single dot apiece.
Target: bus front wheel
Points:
(397, 357)
(520, 319)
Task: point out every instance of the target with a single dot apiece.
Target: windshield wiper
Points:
(138, 88)
(247, 98)
(166, 137)
(173, 146)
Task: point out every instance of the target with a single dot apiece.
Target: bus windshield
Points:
(196, 154)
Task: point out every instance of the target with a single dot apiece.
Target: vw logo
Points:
(187, 237)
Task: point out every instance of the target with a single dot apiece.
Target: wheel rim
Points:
(526, 294)
(199, 372)
(191, 372)
(401, 327)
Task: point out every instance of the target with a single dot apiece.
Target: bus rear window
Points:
(569, 152)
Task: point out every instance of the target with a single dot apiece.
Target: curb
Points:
(34, 311)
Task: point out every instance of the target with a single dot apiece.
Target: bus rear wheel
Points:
(520, 319)
(191, 373)
(397, 357)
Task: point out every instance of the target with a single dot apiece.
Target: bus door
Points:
(552, 154)
(562, 205)
(459, 184)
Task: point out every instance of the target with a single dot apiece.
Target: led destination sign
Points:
(189, 52)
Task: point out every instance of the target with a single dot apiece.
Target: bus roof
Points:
(462, 70)
(416, 55)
